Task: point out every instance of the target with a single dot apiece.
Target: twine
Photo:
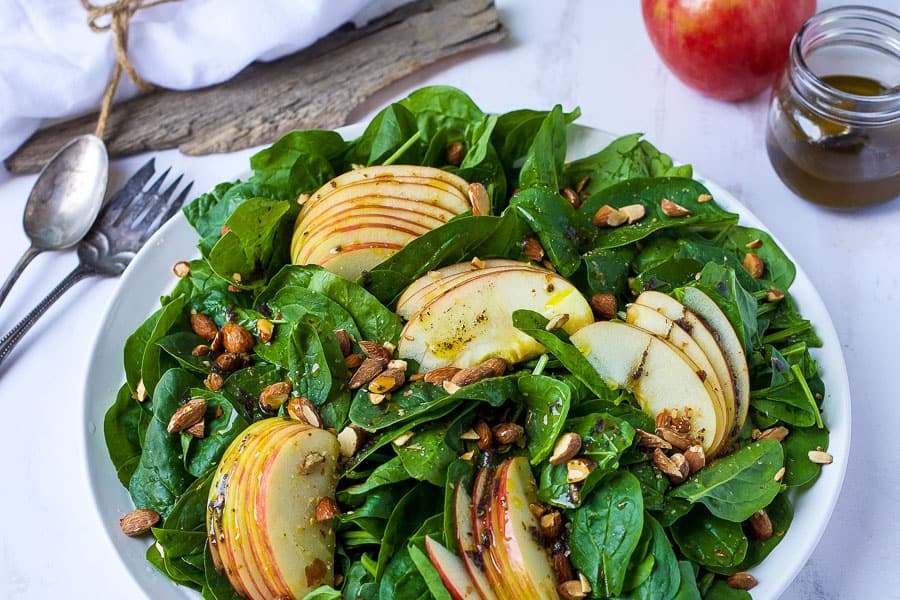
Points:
(119, 13)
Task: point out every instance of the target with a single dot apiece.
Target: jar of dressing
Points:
(833, 131)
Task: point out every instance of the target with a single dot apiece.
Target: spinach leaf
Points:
(653, 485)
(665, 578)
(544, 160)
(180, 346)
(799, 470)
(649, 192)
(558, 226)
(224, 427)
(387, 473)
(216, 586)
(121, 430)
(416, 506)
(557, 343)
(607, 269)
(427, 455)
(385, 135)
(606, 530)
(160, 476)
(780, 271)
(298, 162)
(442, 108)
(428, 573)
(709, 540)
(546, 402)
(401, 579)
(781, 513)
(515, 132)
(735, 487)
(687, 589)
(295, 302)
(142, 355)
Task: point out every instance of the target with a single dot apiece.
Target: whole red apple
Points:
(727, 49)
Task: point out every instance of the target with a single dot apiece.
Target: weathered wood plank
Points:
(317, 87)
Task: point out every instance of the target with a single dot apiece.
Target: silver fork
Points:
(125, 223)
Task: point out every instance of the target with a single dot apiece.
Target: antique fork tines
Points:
(125, 223)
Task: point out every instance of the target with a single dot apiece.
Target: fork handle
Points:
(15, 335)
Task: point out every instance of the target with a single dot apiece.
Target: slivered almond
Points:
(777, 433)
(671, 209)
(634, 212)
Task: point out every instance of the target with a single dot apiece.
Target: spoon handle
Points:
(17, 270)
(14, 335)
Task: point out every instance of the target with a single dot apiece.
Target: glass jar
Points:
(833, 132)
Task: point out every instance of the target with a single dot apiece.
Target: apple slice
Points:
(454, 269)
(262, 509)
(351, 261)
(731, 365)
(659, 375)
(315, 244)
(401, 207)
(482, 496)
(473, 321)
(408, 305)
(527, 560)
(450, 567)
(661, 326)
(465, 538)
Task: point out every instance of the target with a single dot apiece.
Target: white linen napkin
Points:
(52, 65)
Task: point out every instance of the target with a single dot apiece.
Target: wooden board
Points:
(317, 87)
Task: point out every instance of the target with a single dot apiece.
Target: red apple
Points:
(727, 49)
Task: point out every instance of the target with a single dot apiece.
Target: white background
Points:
(595, 55)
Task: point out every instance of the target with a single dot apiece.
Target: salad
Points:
(438, 360)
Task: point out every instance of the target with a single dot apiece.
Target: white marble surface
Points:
(591, 54)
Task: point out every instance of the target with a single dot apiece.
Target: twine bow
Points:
(119, 14)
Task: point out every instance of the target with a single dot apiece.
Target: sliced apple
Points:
(452, 571)
(473, 321)
(482, 501)
(661, 377)
(463, 267)
(351, 261)
(527, 560)
(359, 229)
(262, 509)
(663, 327)
(432, 175)
(465, 539)
(408, 305)
(719, 342)
(400, 207)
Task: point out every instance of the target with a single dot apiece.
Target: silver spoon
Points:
(64, 201)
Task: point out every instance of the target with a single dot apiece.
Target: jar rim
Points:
(878, 109)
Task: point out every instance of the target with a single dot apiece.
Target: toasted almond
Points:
(139, 521)
(197, 430)
(416, 377)
(578, 469)
(302, 409)
(440, 375)
(570, 590)
(399, 364)
(566, 448)
(695, 458)
(663, 419)
(477, 263)
(376, 399)
(777, 433)
(204, 326)
(455, 153)
(779, 475)
(682, 425)
(353, 361)
(187, 414)
(181, 269)
(351, 440)
(604, 305)
(820, 458)
(665, 464)
(236, 339)
(492, 367)
(556, 322)
(677, 440)
(571, 196)
(538, 509)
(229, 361)
(507, 433)
(467, 455)
(774, 296)
(684, 468)
(201, 350)
(551, 525)
(485, 435)
(754, 265)
(450, 387)
(741, 581)
(264, 329)
(704, 198)
(562, 566)
(344, 341)
(649, 440)
(214, 382)
(585, 584)
(403, 438)
(326, 509)
(532, 249)
(583, 183)
(469, 435)
(216, 344)
(671, 209)
(616, 218)
(479, 199)
(601, 217)
(302, 199)
(753, 244)
(274, 395)
(366, 372)
(761, 525)
(376, 352)
(387, 381)
(634, 212)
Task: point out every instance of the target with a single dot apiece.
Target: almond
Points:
(820, 458)
(492, 367)
(678, 441)
(532, 249)
(753, 244)
(236, 339)
(485, 435)
(578, 469)
(213, 382)
(551, 525)
(197, 430)
(704, 198)
(181, 269)
(274, 395)
(761, 525)
(665, 464)
(387, 381)
(648, 440)
(403, 438)
(556, 322)
(479, 198)
(774, 296)
(507, 433)
(670, 209)
(601, 217)
(455, 153)
(741, 581)
(562, 566)
(440, 375)
(684, 469)
(366, 372)
(353, 361)
(754, 265)
(571, 196)
(204, 326)
(229, 361)
(377, 399)
(326, 509)
(567, 447)
(571, 590)
(777, 433)
(187, 414)
(604, 305)
(634, 212)
(302, 409)
(695, 458)
(344, 341)
(201, 350)
(139, 521)
(376, 352)
(264, 329)
(616, 218)
(351, 440)
(581, 185)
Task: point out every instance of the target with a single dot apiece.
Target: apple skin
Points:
(465, 539)
(261, 514)
(452, 571)
(726, 49)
